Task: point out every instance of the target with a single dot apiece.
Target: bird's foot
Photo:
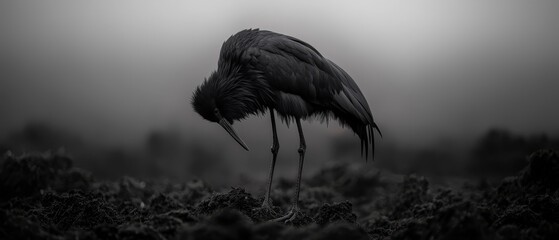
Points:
(268, 208)
(289, 217)
(266, 211)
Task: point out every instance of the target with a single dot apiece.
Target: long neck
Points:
(244, 93)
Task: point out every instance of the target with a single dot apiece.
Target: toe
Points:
(284, 218)
(292, 217)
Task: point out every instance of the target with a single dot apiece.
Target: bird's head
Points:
(217, 101)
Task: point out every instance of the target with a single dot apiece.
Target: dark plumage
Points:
(263, 70)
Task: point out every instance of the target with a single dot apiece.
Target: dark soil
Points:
(44, 197)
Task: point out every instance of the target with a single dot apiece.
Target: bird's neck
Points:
(249, 91)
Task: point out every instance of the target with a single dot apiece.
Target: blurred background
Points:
(459, 89)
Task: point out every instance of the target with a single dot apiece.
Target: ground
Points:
(45, 197)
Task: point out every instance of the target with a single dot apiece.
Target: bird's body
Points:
(263, 70)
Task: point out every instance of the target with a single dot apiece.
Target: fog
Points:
(432, 71)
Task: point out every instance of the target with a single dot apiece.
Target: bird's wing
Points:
(295, 67)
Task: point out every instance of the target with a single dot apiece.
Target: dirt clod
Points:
(45, 197)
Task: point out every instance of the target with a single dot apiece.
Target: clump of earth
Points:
(44, 196)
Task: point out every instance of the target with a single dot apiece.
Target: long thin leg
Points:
(275, 148)
(302, 149)
(292, 214)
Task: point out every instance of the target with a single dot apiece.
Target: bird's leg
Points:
(292, 214)
(267, 204)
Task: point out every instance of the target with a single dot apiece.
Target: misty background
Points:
(454, 86)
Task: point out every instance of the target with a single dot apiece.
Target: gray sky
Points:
(430, 69)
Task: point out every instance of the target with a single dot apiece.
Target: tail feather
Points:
(370, 137)
(366, 144)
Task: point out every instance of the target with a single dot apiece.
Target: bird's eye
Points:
(216, 111)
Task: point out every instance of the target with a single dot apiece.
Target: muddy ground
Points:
(44, 197)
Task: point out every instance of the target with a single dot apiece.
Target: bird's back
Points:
(303, 82)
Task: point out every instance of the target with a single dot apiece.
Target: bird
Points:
(261, 70)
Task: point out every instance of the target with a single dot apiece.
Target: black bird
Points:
(262, 70)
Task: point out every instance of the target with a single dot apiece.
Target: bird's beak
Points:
(232, 132)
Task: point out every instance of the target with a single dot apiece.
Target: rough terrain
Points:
(44, 197)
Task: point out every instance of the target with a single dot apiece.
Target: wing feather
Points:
(295, 67)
